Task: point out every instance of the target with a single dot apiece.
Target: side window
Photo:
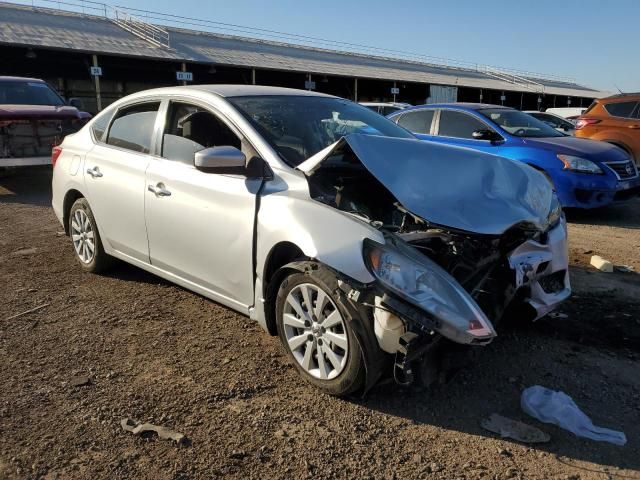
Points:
(133, 127)
(190, 128)
(418, 121)
(550, 120)
(622, 109)
(101, 123)
(458, 124)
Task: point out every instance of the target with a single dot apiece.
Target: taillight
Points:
(583, 122)
(55, 153)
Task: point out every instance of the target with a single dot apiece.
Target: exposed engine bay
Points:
(477, 262)
(484, 265)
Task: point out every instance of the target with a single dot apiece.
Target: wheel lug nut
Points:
(319, 341)
(307, 323)
(310, 337)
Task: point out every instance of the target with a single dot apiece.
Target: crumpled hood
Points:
(38, 112)
(580, 147)
(451, 186)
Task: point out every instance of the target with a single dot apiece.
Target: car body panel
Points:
(566, 112)
(177, 242)
(532, 261)
(457, 187)
(574, 189)
(117, 197)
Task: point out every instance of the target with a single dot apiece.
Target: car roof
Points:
(253, 90)
(621, 97)
(456, 105)
(18, 79)
(220, 91)
(385, 104)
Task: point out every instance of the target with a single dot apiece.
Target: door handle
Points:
(94, 172)
(159, 190)
(634, 126)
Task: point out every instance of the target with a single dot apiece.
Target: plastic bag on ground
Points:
(558, 408)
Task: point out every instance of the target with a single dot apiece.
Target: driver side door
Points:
(200, 225)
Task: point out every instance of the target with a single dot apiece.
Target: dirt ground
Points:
(157, 353)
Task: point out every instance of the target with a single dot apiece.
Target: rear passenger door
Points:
(419, 122)
(456, 127)
(115, 178)
(200, 225)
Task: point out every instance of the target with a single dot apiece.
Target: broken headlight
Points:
(555, 211)
(426, 285)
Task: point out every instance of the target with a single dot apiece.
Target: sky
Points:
(596, 42)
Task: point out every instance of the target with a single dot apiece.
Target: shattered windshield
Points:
(519, 124)
(28, 93)
(299, 126)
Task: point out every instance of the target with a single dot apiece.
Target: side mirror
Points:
(486, 135)
(75, 102)
(223, 159)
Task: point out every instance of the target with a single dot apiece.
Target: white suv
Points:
(364, 249)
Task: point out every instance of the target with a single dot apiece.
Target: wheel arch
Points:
(274, 271)
(69, 198)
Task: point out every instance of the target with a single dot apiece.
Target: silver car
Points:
(368, 252)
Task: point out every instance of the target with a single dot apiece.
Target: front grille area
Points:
(623, 169)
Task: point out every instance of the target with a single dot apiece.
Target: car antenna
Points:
(618, 88)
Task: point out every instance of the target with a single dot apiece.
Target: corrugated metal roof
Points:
(49, 28)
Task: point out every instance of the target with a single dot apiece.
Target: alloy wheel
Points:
(82, 236)
(315, 331)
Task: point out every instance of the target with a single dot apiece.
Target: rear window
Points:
(101, 123)
(133, 127)
(621, 109)
(417, 121)
(28, 93)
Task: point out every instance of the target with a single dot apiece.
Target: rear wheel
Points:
(86, 238)
(316, 334)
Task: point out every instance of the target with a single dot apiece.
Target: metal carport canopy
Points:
(58, 29)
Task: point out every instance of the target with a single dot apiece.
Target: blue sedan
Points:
(585, 173)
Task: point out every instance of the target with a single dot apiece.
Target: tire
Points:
(339, 369)
(84, 235)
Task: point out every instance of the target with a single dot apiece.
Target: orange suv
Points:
(615, 120)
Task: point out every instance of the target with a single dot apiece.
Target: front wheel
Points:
(316, 333)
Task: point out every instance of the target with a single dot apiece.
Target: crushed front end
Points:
(497, 246)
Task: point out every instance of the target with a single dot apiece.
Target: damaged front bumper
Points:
(542, 269)
(541, 280)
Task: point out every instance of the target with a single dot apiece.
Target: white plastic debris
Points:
(624, 268)
(508, 428)
(601, 264)
(558, 408)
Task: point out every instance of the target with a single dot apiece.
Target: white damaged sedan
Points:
(368, 252)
